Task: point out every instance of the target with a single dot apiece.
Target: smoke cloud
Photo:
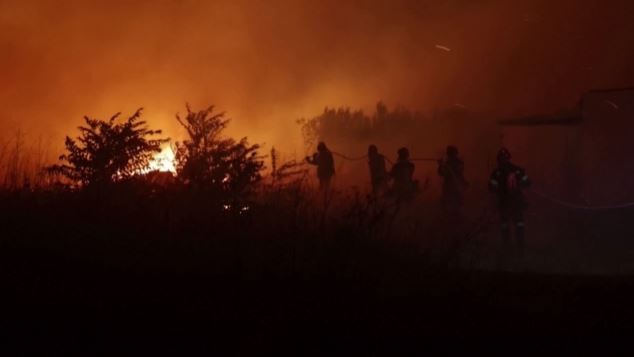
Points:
(268, 63)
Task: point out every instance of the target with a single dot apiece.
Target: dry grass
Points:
(22, 162)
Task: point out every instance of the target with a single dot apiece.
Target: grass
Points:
(173, 266)
(284, 266)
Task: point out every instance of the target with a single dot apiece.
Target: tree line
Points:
(117, 149)
(107, 152)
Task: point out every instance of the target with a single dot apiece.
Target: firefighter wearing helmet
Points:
(404, 186)
(378, 172)
(507, 182)
(451, 169)
(325, 165)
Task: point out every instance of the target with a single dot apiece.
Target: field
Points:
(245, 260)
(137, 265)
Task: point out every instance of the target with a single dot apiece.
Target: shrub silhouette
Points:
(208, 160)
(107, 151)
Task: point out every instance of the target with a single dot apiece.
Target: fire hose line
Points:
(580, 207)
(537, 192)
(365, 156)
(349, 158)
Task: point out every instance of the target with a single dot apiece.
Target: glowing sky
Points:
(269, 62)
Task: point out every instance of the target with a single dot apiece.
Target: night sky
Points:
(268, 63)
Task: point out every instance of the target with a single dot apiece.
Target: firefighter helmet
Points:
(403, 153)
(452, 151)
(504, 155)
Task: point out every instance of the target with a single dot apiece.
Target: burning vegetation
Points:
(107, 152)
(359, 220)
(221, 216)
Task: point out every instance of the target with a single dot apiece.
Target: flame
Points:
(164, 161)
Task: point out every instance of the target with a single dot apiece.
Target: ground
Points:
(104, 275)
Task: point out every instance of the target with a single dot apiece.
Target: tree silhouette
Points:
(107, 151)
(208, 160)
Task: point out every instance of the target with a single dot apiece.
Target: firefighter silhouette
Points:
(451, 169)
(507, 182)
(378, 172)
(404, 186)
(325, 165)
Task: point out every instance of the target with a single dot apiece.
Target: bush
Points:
(107, 152)
(210, 161)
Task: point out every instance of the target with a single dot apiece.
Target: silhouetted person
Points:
(452, 172)
(404, 186)
(378, 173)
(507, 182)
(325, 165)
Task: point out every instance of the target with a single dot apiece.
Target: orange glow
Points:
(164, 161)
(269, 63)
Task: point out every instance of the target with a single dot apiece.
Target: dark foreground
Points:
(56, 305)
(71, 277)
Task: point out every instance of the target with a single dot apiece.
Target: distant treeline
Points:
(426, 135)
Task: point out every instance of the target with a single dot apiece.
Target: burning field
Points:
(246, 175)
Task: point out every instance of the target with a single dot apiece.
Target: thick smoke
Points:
(269, 62)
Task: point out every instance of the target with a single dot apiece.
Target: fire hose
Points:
(580, 207)
(537, 192)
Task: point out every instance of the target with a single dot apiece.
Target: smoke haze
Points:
(268, 63)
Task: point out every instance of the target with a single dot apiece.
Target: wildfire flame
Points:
(164, 161)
